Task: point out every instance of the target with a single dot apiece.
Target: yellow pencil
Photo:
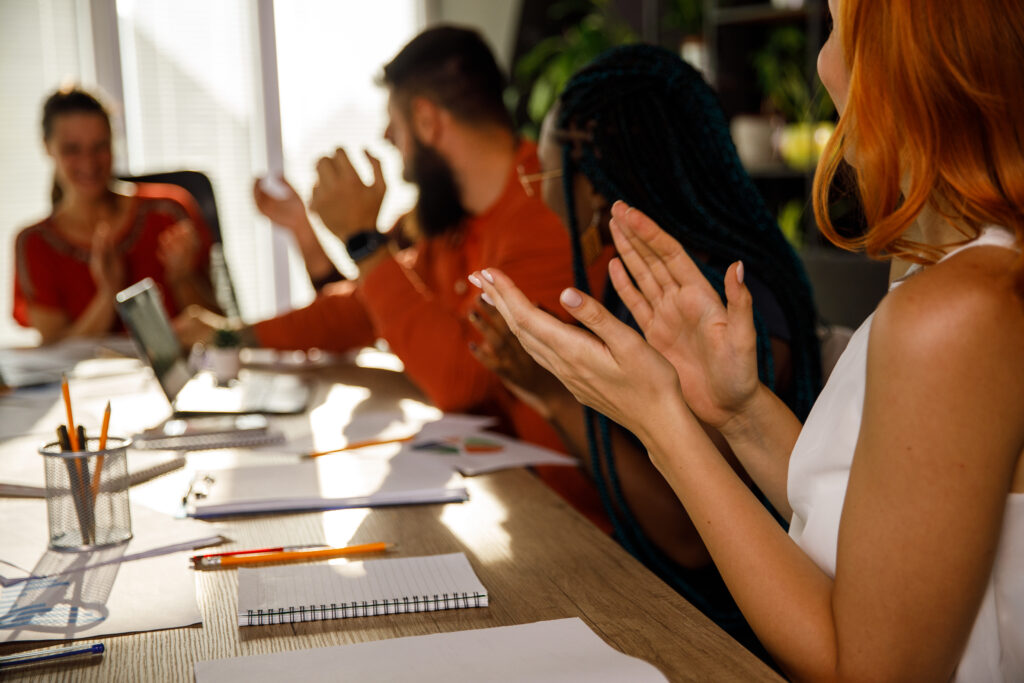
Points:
(289, 556)
(103, 445)
(359, 444)
(72, 432)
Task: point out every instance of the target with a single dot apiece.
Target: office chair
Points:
(199, 186)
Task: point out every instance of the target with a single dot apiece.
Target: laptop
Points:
(142, 312)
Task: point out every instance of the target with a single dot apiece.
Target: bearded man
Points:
(475, 209)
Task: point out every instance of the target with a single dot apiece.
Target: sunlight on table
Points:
(481, 526)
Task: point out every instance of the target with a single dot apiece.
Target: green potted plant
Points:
(687, 17)
(541, 74)
(788, 92)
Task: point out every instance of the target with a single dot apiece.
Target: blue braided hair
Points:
(657, 139)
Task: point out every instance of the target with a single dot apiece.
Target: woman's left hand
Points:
(179, 250)
(615, 372)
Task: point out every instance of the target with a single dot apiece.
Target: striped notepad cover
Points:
(288, 594)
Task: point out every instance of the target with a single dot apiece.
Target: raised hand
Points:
(712, 348)
(178, 251)
(615, 372)
(501, 353)
(287, 211)
(105, 265)
(344, 203)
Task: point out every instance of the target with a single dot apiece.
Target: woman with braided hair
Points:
(640, 125)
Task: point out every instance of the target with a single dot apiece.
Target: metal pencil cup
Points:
(87, 495)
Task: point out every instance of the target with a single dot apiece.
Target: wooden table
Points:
(537, 557)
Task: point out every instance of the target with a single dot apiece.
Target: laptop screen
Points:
(143, 314)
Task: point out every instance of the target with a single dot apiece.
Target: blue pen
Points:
(48, 655)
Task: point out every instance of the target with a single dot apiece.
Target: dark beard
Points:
(439, 208)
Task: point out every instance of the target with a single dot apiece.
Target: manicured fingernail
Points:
(571, 298)
(475, 281)
(739, 273)
(487, 298)
(487, 276)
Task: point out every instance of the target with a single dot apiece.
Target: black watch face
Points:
(363, 244)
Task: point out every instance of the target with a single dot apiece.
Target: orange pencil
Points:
(326, 553)
(72, 432)
(103, 445)
(359, 444)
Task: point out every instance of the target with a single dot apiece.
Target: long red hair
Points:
(934, 117)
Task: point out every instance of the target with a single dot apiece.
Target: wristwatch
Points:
(364, 244)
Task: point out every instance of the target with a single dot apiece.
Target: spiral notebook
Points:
(287, 594)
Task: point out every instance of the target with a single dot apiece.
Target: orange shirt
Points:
(419, 300)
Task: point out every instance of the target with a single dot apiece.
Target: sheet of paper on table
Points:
(478, 452)
(123, 597)
(417, 421)
(561, 650)
(24, 551)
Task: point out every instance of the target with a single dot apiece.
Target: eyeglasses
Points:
(528, 179)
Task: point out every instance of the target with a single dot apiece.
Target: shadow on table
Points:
(66, 601)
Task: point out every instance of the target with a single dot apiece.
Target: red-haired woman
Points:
(905, 554)
(69, 266)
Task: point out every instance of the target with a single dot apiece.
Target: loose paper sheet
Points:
(562, 650)
(24, 550)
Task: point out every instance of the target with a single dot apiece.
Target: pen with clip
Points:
(286, 556)
(34, 656)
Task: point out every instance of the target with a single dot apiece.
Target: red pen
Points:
(197, 559)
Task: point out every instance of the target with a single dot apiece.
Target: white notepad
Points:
(561, 650)
(365, 479)
(315, 592)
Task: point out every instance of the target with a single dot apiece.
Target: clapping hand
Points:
(501, 353)
(287, 210)
(612, 370)
(344, 203)
(105, 264)
(178, 251)
(712, 347)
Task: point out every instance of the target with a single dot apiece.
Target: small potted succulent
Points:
(222, 356)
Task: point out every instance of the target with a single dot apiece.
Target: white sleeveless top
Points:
(819, 471)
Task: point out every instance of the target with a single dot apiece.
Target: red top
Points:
(52, 271)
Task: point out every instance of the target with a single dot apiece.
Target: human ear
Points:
(426, 120)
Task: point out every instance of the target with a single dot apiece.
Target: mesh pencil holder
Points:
(87, 495)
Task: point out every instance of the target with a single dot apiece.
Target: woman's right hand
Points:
(713, 348)
(105, 265)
